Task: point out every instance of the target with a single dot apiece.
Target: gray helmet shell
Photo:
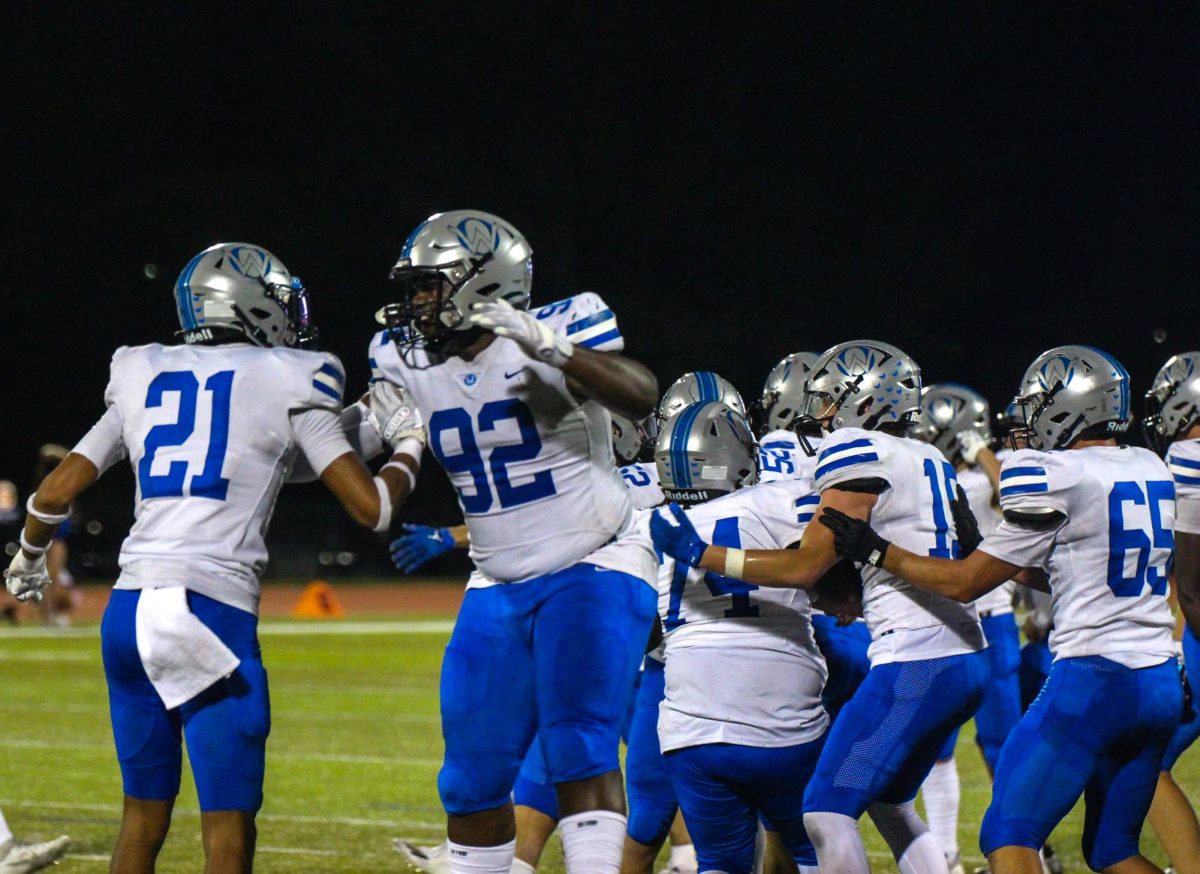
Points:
(783, 393)
(1068, 390)
(947, 410)
(631, 440)
(698, 386)
(480, 257)
(863, 384)
(240, 288)
(1173, 402)
(705, 450)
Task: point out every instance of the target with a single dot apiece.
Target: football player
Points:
(211, 428)
(695, 387)
(557, 612)
(956, 419)
(1100, 517)
(774, 417)
(741, 723)
(1172, 428)
(928, 666)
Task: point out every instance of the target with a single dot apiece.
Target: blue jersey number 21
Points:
(208, 483)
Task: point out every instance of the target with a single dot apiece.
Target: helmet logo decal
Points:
(856, 360)
(1058, 369)
(251, 263)
(478, 236)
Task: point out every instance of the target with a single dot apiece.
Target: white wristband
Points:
(30, 548)
(385, 506)
(735, 563)
(404, 469)
(42, 516)
(410, 446)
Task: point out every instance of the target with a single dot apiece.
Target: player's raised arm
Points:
(593, 369)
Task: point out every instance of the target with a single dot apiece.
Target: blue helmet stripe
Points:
(1119, 368)
(406, 252)
(706, 386)
(183, 295)
(680, 467)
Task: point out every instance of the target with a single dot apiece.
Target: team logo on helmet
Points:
(944, 409)
(1058, 369)
(477, 236)
(249, 262)
(856, 360)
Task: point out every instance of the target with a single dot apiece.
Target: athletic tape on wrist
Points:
(42, 516)
(385, 506)
(410, 446)
(735, 563)
(30, 548)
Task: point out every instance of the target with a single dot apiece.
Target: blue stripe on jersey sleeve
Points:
(589, 321)
(1185, 480)
(808, 499)
(600, 339)
(839, 463)
(330, 370)
(324, 389)
(861, 443)
(1024, 489)
(1183, 462)
(1010, 472)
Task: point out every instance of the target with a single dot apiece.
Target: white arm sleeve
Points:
(360, 432)
(320, 437)
(104, 445)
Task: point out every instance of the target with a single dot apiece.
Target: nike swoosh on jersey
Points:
(508, 375)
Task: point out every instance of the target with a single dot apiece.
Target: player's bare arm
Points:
(783, 568)
(1187, 576)
(623, 385)
(54, 497)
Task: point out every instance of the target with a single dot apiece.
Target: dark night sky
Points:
(973, 183)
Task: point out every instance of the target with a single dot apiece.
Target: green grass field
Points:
(353, 755)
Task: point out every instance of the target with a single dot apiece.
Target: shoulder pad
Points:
(1183, 460)
(1037, 481)
(1035, 518)
(850, 454)
(585, 320)
(321, 379)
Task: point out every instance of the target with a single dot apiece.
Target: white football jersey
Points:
(1183, 460)
(981, 497)
(1108, 559)
(533, 466)
(642, 482)
(781, 457)
(913, 512)
(742, 664)
(211, 433)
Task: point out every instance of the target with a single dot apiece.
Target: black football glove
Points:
(965, 524)
(853, 538)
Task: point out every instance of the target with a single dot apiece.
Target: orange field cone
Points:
(318, 602)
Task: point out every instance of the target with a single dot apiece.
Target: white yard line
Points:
(19, 743)
(269, 817)
(44, 655)
(265, 629)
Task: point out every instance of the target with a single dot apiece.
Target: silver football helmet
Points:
(947, 410)
(696, 387)
(1071, 392)
(238, 291)
(704, 451)
(632, 440)
(862, 384)
(783, 393)
(1173, 402)
(449, 263)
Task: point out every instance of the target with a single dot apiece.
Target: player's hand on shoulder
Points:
(966, 526)
(393, 411)
(674, 534)
(537, 339)
(853, 538)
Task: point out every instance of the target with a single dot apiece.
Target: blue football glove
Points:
(676, 536)
(420, 545)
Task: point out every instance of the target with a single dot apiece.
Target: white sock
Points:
(5, 832)
(923, 856)
(941, 792)
(913, 845)
(839, 846)
(683, 857)
(481, 860)
(522, 867)
(593, 842)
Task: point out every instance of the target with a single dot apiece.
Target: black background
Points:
(972, 182)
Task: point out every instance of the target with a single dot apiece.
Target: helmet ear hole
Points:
(259, 313)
